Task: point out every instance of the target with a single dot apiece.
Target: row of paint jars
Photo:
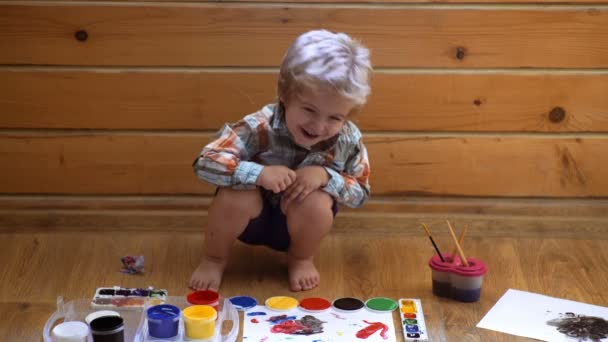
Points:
(199, 321)
(104, 326)
(163, 322)
(199, 318)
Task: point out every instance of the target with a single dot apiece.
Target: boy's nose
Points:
(317, 128)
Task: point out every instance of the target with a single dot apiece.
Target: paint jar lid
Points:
(442, 266)
(281, 303)
(71, 329)
(101, 313)
(107, 325)
(200, 313)
(204, 297)
(381, 304)
(164, 312)
(314, 304)
(348, 304)
(476, 268)
(242, 303)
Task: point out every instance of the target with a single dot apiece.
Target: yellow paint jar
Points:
(281, 303)
(199, 321)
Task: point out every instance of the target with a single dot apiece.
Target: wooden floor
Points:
(37, 267)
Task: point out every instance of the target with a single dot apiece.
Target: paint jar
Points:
(101, 313)
(163, 321)
(205, 297)
(441, 274)
(108, 329)
(199, 321)
(466, 280)
(72, 331)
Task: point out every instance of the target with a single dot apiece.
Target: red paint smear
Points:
(254, 320)
(336, 315)
(315, 304)
(372, 328)
(287, 327)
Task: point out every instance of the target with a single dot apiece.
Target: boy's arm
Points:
(224, 161)
(351, 187)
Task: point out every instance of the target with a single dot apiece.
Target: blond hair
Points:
(323, 60)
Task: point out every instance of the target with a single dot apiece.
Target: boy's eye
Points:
(308, 109)
(336, 118)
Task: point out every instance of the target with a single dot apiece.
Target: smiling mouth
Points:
(308, 134)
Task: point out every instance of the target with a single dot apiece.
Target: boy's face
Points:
(315, 116)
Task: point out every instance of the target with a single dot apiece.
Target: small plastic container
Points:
(452, 279)
(205, 297)
(199, 321)
(467, 280)
(163, 321)
(108, 329)
(101, 313)
(77, 310)
(70, 332)
(441, 272)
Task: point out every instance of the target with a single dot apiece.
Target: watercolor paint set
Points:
(412, 319)
(345, 319)
(120, 297)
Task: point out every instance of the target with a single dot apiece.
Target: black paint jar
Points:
(108, 329)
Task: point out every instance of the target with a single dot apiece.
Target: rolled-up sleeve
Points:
(351, 186)
(225, 161)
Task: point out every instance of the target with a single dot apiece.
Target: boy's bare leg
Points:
(309, 221)
(228, 217)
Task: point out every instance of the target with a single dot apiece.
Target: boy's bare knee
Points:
(317, 205)
(248, 202)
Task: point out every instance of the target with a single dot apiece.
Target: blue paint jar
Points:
(163, 321)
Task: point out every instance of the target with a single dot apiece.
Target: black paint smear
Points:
(313, 325)
(582, 327)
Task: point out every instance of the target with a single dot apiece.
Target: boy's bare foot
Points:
(208, 274)
(303, 274)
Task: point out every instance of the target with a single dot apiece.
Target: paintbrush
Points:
(428, 233)
(460, 241)
(460, 252)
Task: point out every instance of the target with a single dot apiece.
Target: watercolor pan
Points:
(120, 297)
(412, 320)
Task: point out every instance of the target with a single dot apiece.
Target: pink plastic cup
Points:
(467, 280)
(441, 275)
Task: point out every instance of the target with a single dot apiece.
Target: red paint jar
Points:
(205, 297)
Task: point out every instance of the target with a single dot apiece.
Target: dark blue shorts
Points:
(270, 227)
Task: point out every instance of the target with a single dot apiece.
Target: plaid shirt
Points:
(237, 156)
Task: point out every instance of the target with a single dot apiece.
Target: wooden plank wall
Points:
(492, 113)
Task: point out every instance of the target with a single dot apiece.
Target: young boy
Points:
(281, 170)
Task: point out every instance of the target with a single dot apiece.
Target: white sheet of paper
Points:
(337, 326)
(526, 314)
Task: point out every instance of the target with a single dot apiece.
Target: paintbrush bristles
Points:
(460, 251)
(428, 233)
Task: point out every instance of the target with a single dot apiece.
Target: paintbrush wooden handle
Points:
(460, 252)
(460, 240)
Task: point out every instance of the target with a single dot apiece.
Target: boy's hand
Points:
(309, 179)
(276, 178)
